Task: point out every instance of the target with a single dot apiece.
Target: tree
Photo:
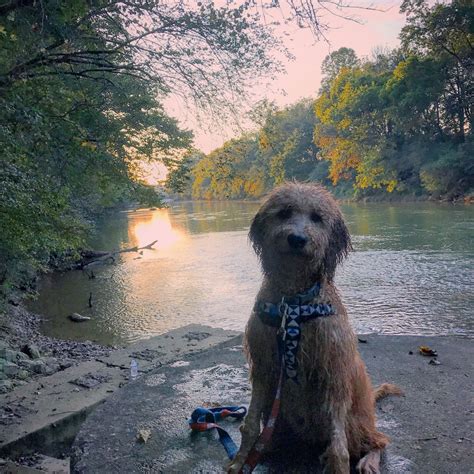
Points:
(403, 121)
(286, 142)
(445, 33)
(334, 63)
(179, 178)
(248, 166)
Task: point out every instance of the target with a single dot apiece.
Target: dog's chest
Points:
(304, 402)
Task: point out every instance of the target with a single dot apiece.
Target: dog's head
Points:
(300, 225)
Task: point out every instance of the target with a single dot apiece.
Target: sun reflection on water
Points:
(155, 225)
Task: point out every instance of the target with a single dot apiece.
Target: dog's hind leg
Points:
(370, 463)
(251, 428)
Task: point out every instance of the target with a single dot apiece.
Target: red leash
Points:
(266, 435)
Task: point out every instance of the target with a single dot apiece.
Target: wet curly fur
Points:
(300, 237)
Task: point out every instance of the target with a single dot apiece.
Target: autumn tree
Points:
(403, 121)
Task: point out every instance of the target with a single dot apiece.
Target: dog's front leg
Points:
(336, 456)
(251, 428)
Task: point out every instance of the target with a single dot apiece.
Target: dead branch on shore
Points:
(90, 257)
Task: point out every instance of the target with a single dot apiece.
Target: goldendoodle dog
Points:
(299, 323)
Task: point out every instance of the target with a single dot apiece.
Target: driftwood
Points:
(90, 257)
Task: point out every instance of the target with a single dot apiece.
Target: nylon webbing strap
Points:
(204, 419)
(265, 436)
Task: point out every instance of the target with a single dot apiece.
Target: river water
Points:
(412, 272)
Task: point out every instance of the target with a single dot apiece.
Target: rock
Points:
(31, 350)
(22, 374)
(78, 318)
(5, 386)
(90, 380)
(65, 364)
(9, 368)
(27, 364)
(52, 366)
(11, 355)
(34, 366)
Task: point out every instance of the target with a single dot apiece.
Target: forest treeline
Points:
(397, 124)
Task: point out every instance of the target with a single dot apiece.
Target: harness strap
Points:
(204, 419)
(265, 436)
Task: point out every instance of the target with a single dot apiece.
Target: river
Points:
(412, 272)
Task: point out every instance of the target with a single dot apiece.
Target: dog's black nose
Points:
(297, 241)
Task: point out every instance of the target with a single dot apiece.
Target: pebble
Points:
(78, 318)
(22, 374)
(5, 386)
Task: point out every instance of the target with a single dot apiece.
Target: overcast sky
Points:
(303, 75)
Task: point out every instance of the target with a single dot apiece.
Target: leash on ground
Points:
(204, 419)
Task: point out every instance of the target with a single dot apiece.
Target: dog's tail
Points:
(385, 390)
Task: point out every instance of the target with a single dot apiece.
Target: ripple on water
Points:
(412, 273)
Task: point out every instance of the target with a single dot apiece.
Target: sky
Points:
(303, 75)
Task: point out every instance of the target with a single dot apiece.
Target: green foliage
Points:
(404, 123)
(178, 179)
(81, 91)
(229, 172)
(335, 62)
(399, 123)
(249, 166)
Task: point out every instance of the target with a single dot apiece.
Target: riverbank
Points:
(376, 198)
(42, 417)
(27, 355)
(197, 365)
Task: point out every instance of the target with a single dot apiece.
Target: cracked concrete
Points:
(429, 426)
(45, 415)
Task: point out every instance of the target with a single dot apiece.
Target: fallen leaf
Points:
(427, 351)
(143, 435)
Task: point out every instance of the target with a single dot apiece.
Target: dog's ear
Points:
(339, 247)
(256, 233)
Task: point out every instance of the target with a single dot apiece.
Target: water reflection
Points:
(146, 227)
(412, 272)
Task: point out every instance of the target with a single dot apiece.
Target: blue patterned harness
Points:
(288, 316)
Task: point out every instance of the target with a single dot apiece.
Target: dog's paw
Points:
(335, 461)
(369, 464)
(236, 464)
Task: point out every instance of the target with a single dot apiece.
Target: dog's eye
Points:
(284, 213)
(315, 217)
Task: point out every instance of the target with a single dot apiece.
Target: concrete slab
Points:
(429, 426)
(45, 415)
